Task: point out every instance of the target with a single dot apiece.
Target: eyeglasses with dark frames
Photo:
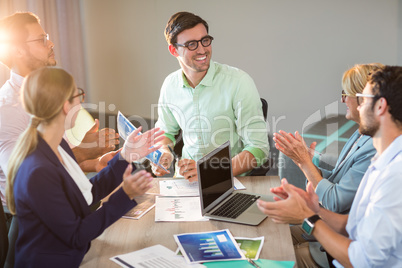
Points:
(193, 44)
(344, 95)
(360, 98)
(81, 94)
(44, 39)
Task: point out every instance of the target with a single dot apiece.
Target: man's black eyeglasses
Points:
(193, 44)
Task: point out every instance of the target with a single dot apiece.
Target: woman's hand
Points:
(136, 184)
(294, 147)
(139, 146)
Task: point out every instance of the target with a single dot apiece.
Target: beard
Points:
(35, 63)
(368, 128)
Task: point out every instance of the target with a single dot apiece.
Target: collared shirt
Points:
(374, 222)
(225, 105)
(13, 121)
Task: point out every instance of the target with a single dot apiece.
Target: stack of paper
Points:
(179, 200)
(156, 256)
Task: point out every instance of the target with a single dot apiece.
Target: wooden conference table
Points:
(127, 235)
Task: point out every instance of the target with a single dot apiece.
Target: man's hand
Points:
(293, 209)
(294, 147)
(96, 143)
(104, 159)
(100, 142)
(137, 184)
(188, 169)
(139, 146)
(310, 197)
(165, 160)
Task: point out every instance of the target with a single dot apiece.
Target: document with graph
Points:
(209, 246)
(152, 257)
(178, 209)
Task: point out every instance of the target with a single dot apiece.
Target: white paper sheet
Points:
(178, 209)
(182, 187)
(238, 185)
(178, 187)
(153, 257)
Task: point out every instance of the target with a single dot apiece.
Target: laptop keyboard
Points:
(236, 205)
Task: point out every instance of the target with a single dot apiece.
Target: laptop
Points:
(215, 180)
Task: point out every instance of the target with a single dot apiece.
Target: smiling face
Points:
(36, 53)
(193, 63)
(351, 113)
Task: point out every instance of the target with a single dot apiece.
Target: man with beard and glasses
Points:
(25, 47)
(371, 235)
(335, 188)
(210, 102)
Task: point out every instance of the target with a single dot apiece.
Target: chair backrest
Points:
(4, 237)
(9, 233)
(264, 108)
(264, 168)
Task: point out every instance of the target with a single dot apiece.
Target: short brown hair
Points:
(12, 31)
(387, 83)
(179, 22)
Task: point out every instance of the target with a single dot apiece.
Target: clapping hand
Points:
(293, 205)
(139, 146)
(104, 159)
(294, 147)
(98, 142)
(136, 184)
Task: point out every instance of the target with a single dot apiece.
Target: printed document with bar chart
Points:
(178, 209)
(209, 246)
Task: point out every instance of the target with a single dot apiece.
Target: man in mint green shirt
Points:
(210, 102)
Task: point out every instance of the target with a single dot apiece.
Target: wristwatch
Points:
(309, 223)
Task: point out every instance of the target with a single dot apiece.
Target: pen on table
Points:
(252, 263)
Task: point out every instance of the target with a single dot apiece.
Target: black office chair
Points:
(8, 238)
(264, 108)
(264, 168)
(4, 237)
(311, 238)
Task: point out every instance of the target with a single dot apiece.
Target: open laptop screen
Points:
(215, 175)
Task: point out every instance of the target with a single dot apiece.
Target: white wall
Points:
(296, 51)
